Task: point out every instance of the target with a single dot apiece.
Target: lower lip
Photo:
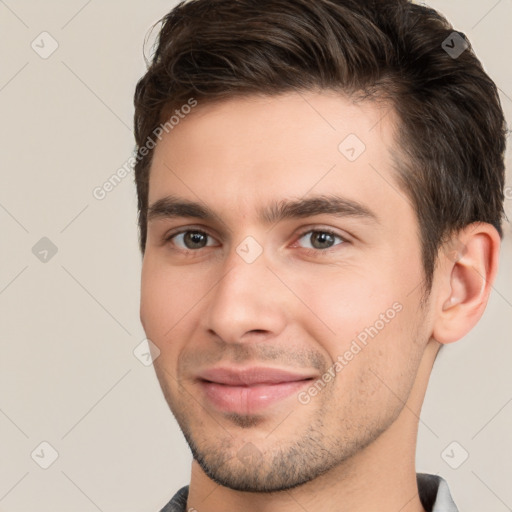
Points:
(249, 399)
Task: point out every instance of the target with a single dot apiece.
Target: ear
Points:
(467, 268)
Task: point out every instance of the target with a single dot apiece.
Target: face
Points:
(289, 327)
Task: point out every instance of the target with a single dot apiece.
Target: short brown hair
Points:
(452, 133)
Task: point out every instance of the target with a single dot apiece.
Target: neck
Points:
(381, 477)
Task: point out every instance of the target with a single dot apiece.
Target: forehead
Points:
(243, 151)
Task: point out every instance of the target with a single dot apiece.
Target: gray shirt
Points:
(433, 491)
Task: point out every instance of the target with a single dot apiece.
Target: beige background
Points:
(69, 326)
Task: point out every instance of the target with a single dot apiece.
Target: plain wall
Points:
(69, 326)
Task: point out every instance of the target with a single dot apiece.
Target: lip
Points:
(251, 376)
(249, 390)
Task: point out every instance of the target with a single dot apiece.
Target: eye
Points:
(314, 240)
(190, 240)
(320, 239)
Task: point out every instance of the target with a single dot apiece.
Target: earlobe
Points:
(465, 279)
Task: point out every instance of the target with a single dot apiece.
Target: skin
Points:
(299, 307)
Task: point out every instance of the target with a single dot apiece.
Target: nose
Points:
(247, 302)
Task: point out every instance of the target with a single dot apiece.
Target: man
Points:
(320, 191)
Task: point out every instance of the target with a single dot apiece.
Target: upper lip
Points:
(251, 376)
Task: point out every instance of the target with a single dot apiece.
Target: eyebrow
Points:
(175, 207)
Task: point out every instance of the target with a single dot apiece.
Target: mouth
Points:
(249, 390)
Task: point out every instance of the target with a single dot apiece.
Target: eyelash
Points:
(316, 252)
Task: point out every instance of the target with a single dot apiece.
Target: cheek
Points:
(347, 301)
(377, 290)
(166, 298)
(369, 324)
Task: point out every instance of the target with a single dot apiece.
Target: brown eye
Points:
(190, 240)
(320, 240)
